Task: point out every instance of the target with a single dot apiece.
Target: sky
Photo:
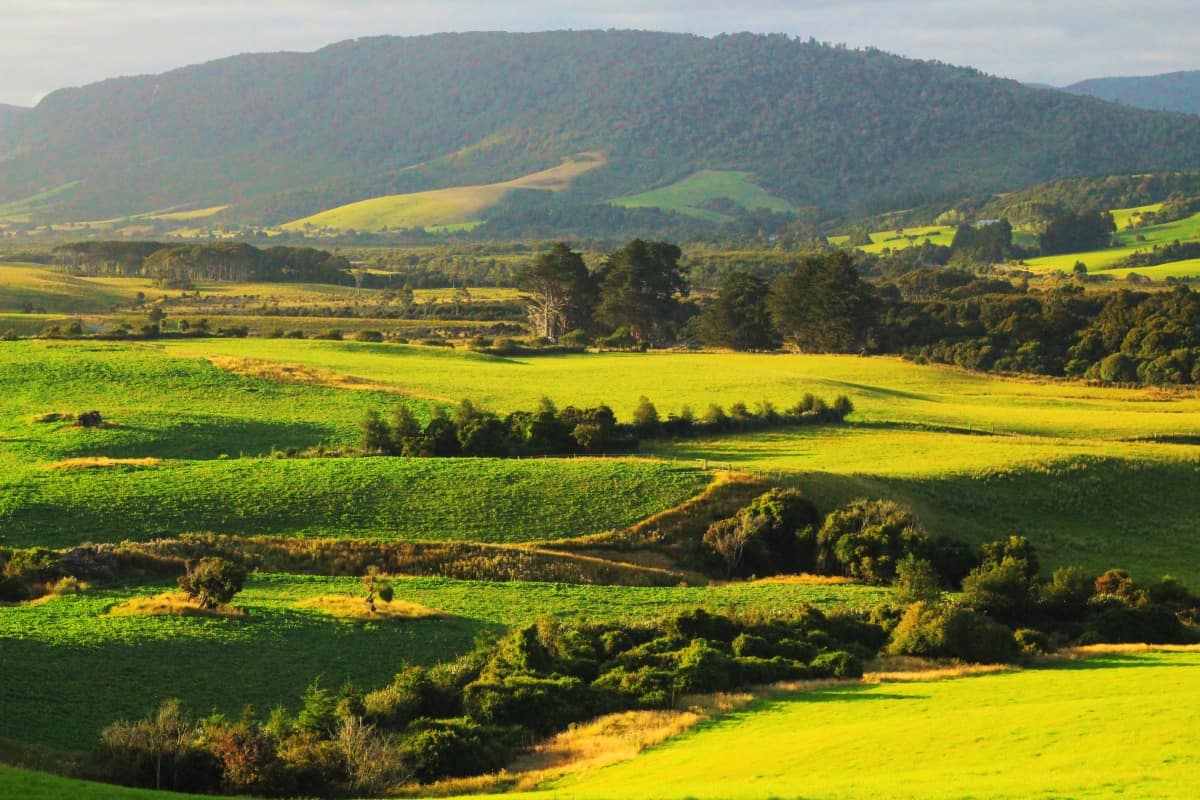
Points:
(50, 44)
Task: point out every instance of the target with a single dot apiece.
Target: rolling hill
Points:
(1173, 91)
(283, 136)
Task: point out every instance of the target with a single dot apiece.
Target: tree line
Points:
(548, 431)
(179, 266)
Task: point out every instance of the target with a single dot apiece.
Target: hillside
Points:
(280, 137)
(1173, 91)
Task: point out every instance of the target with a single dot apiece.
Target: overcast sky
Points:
(49, 44)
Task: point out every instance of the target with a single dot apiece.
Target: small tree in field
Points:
(213, 581)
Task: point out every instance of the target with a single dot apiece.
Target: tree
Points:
(738, 317)
(823, 306)
(376, 435)
(645, 418)
(640, 286)
(213, 581)
(560, 293)
(866, 539)
(729, 538)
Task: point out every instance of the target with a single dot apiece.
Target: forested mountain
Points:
(7, 114)
(281, 136)
(1174, 91)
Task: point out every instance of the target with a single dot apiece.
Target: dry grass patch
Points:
(350, 607)
(1085, 651)
(806, 579)
(175, 604)
(98, 462)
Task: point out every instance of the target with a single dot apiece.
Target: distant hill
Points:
(1174, 91)
(787, 124)
(9, 113)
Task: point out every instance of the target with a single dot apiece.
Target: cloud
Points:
(49, 44)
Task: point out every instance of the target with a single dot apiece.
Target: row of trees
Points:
(473, 431)
(820, 305)
(178, 266)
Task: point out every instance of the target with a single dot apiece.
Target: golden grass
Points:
(807, 579)
(100, 462)
(445, 206)
(1111, 649)
(175, 604)
(351, 607)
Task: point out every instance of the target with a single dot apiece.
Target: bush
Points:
(1151, 624)
(866, 539)
(836, 664)
(701, 668)
(938, 630)
(213, 581)
(368, 336)
(540, 705)
(455, 748)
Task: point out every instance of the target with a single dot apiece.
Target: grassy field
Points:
(1075, 467)
(211, 428)
(688, 195)
(28, 785)
(898, 240)
(443, 207)
(267, 657)
(1131, 240)
(1103, 727)
(398, 499)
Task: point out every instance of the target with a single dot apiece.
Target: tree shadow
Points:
(207, 438)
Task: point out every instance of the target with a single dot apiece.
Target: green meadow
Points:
(92, 668)
(690, 195)
(1101, 727)
(1130, 241)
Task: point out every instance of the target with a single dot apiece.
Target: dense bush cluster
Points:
(1007, 608)
(782, 532)
(468, 717)
(472, 431)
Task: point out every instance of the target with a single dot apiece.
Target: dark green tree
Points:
(738, 317)
(640, 287)
(823, 306)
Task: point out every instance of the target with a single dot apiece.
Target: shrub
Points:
(368, 336)
(1151, 624)
(866, 539)
(940, 630)
(701, 668)
(455, 748)
(836, 664)
(1001, 590)
(213, 581)
(540, 705)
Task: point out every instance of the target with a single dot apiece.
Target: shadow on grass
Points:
(63, 695)
(1149, 659)
(209, 438)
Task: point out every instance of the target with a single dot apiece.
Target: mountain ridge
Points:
(282, 136)
(1171, 91)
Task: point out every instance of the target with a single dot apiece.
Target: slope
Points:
(439, 207)
(282, 136)
(1172, 91)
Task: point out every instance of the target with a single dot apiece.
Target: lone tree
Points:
(213, 581)
(560, 294)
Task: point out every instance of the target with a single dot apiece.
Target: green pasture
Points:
(907, 237)
(1131, 240)
(688, 195)
(1128, 217)
(29, 785)
(68, 668)
(1110, 726)
(884, 390)
(413, 499)
(212, 429)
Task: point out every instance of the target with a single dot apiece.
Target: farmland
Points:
(1130, 241)
(694, 194)
(1095, 476)
(1095, 728)
(443, 207)
(267, 657)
